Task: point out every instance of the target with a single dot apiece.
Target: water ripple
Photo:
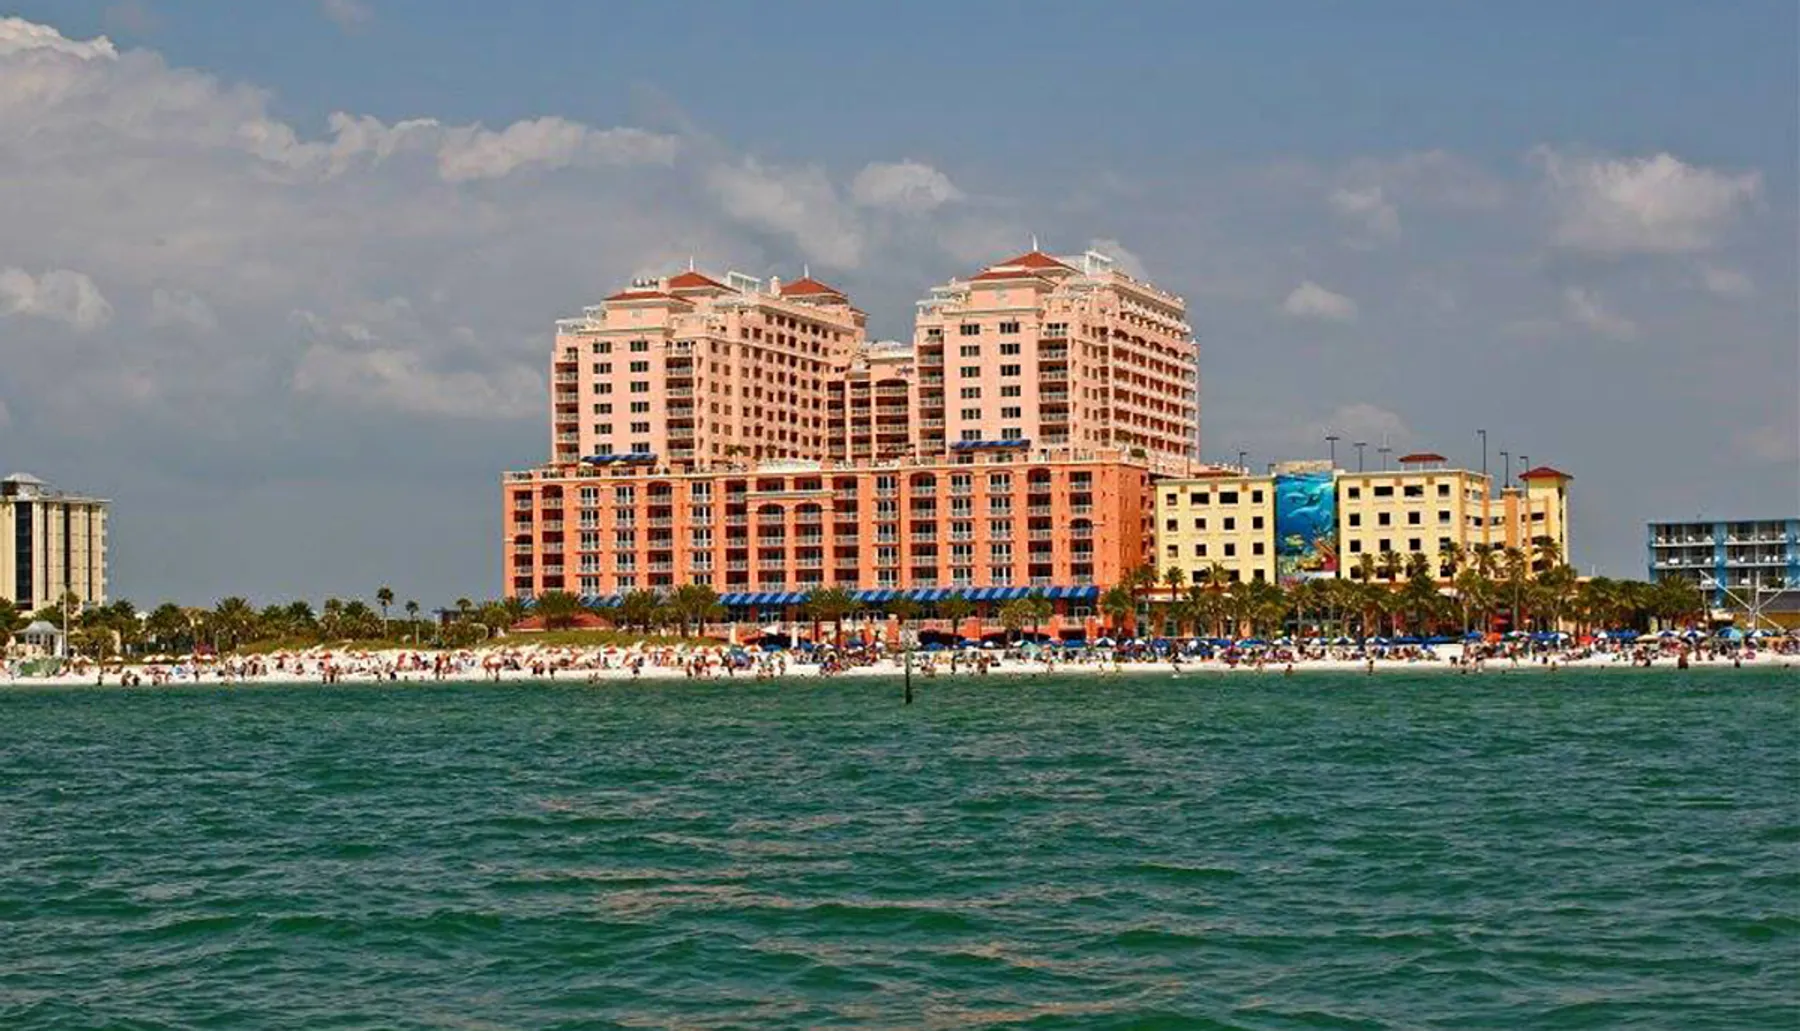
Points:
(1595, 851)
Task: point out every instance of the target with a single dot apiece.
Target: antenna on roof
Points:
(805, 270)
(1034, 243)
(690, 263)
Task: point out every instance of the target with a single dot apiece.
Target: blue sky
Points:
(313, 342)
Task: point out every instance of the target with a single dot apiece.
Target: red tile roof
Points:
(1004, 273)
(691, 280)
(807, 285)
(1422, 456)
(637, 295)
(1544, 472)
(1036, 259)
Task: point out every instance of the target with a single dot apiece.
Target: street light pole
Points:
(1359, 454)
(1242, 456)
(1483, 434)
(1506, 476)
(1384, 449)
(1331, 440)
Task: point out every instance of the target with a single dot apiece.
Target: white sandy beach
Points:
(527, 662)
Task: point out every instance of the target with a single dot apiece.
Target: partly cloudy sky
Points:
(279, 278)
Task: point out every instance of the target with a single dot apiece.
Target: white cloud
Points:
(1656, 205)
(1368, 208)
(1777, 443)
(903, 186)
(1127, 261)
(349, 15)
(1727, 282)
(58, 295)
(801, 204)
(1585, 309)
(399, 380)
(1309, 300)
(181, 309)
(1370, 423)
(18, 36)
(472, 152)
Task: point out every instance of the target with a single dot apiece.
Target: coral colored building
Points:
(747, 435)
(1066, 524)
(1060, 352)
(697, 370)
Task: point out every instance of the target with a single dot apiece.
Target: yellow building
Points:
(1223, 517)
(51, 543)
(1227, 516)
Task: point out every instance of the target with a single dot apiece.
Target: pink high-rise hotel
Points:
(748, 435)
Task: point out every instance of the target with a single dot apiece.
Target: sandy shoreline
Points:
(568, 666)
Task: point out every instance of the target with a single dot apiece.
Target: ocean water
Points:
(1595, 850)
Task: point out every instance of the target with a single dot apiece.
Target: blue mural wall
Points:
(1306, 526)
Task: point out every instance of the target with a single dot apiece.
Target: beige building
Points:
(51, 543)
(1424, 507)
(1059, 352)
(1223, 517)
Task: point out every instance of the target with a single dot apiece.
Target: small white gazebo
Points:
(43, 637)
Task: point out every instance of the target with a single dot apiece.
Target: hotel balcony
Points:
(568, 377)
(1053, 375)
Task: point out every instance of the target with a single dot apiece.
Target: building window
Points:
(1228, 497)
(1009, 349)
(1230, 550)
(1443, 490)
(1171, 525)
(1355, 546)
(1355, 492)
(1011, 433)
(1414, 518)
(603, 388)
(640, 427)
(1256, 497)
(640, 387)
(970, 329)
(640, 346)
(1384, 545)
(1384, 492)
(1383, 518)
(1199, 551)
(603, 409)
(640, 366)
(1009, 327)
(602, 347)
(1011, 413)
(603, 368)
(971, 393)
(1256, 548)
(969, 351)
(971, 371)
(1356, 519)
(1199, 499)
(1414, 490)
(1009, 370)
(1412, 544)
(1009, 390)
(1230, 522)
(971, 434)
(1256, 522)
(639, 407)
(971, 413)
(1200, 524)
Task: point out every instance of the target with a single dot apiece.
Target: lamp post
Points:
(1524, 463)
(1384, 449)
(1359, 454)
(1331, 440)
(1242, 456)
(1483, 434)
(1506, 476)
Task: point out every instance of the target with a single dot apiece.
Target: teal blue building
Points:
(1742, 563)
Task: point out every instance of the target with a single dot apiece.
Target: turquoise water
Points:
(1599, 850)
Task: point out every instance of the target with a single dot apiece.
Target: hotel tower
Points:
(746, 434)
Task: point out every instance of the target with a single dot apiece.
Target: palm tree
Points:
(168, 626)
(233, 619)
(1518, 570)
(1365, 568)
(639, 608)
(412, 616)
(384, 597)
(1119, 605)
(957, 609)
(463, 607)
(1450, 559)
(1040, 609)
(558, 609)
(1390, 566)
(695, 603)
(11, 622)
(1015, 615)
(831, 605)
(1475, 593)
